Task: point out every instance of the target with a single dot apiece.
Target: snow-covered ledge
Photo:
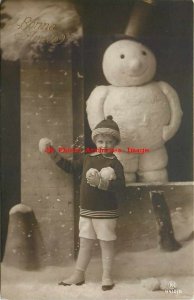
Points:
(147, 184)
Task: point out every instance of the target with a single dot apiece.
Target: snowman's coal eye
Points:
(144, 52)
(122, 56)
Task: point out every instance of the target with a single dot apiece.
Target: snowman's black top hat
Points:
(140, 18)
(138, 26)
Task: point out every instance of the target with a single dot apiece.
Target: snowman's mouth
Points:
(137, 74)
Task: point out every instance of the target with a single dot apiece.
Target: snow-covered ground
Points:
(129, 269)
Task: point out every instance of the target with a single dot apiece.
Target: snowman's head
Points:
(128, 63)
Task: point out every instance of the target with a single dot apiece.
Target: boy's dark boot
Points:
(84, 256)
(167, 239)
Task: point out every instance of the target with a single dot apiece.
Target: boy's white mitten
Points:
(91, 173)
(44, 143)
(108, 173)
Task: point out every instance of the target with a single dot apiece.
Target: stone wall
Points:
(46, 111)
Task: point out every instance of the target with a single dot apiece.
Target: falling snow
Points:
(79, 75)
(178, 208)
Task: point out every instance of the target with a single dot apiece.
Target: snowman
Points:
(147, 112)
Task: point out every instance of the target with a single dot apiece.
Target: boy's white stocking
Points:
(107, 248)
(84, 256)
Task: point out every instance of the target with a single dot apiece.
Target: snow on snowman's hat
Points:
(139, 23)
(107, 126)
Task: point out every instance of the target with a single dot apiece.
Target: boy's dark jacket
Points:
(96, 202)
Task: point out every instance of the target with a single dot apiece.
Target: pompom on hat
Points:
(107, 126)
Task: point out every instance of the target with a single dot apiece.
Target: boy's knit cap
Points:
(107, 126)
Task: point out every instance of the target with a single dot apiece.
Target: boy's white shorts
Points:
(102, 229)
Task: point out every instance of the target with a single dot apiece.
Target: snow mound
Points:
(129, 269)
(151, 284)
(20, 208)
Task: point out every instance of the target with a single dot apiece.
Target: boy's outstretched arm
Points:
(69, 166)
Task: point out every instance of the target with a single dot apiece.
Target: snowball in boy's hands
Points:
(93, 177)
(44, 143)
(108, 173)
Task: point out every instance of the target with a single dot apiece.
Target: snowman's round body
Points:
(141, 115)
(148, 113)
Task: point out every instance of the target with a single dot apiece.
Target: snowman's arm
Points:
(175, 110)
(95, 105)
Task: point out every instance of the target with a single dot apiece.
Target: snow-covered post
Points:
(167, 239)
(24, 244)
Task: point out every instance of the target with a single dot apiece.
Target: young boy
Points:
(98, 200)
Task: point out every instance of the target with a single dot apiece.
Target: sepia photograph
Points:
(97, 150)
